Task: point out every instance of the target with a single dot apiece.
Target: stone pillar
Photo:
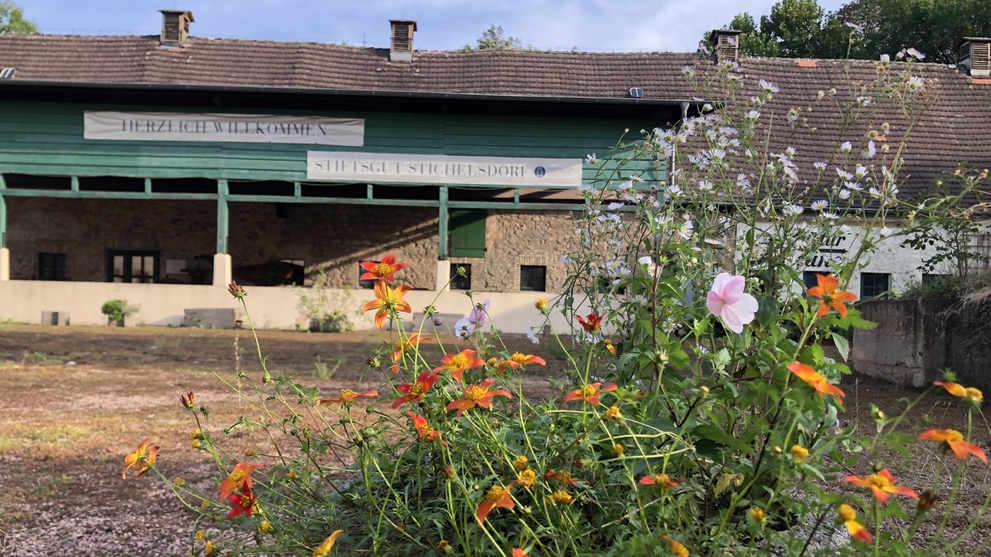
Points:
(443, 275)
(222, 275)
(4, 264)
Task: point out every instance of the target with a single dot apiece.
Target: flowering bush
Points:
(688, 424)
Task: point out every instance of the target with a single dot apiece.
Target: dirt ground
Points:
(76, 399)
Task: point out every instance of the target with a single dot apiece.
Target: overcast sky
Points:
(591, 25)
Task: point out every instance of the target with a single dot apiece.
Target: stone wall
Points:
(326, 237)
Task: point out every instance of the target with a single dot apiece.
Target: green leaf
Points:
(721, 437)
(842, 345)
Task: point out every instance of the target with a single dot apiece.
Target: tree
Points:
(12, 19)
(493, 39)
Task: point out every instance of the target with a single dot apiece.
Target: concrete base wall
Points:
(271, 307)
(910, 344)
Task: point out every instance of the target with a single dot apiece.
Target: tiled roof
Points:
(955, 129)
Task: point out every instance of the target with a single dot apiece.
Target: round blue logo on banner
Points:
(539, 171)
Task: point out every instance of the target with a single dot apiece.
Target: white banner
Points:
(233, 128)
(441, 169)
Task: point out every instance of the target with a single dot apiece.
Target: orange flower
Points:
(243, 504)
(141, 458)
(498, 496)
(591, 323)
(401, 348)
(188, 402)
(416, 391)
(426, 432)
(662, 481)
(562, 476)
(383, 271)
(517, 552)
(609, 346)
(239, 478)
(882, 485)
(848, 517)
(829, 297)
(477, 395)
(457, 364)
(388, 300)
(588, 393)
(816, 381)
(324, 548)
(518, 360)
(958, 390)
(953, 440)
(347, 397)
(677, 548)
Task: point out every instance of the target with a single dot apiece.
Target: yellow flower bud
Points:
(799, 453)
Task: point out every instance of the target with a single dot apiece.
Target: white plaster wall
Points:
(270, 307)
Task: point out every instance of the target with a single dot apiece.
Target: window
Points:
(873, 285)
(533, 278)
(369, 284)
(809, 277)
(132, 266)
(459, 282)
(51, 266)
(467, 233)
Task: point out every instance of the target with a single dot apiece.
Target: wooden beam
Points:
(239, 198)
(442, 224)
(222, 216)
(109, 195)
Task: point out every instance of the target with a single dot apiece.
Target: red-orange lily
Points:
(517, 552)
(958, 390)
(589, 393)
(401, 347)
(243, 503)
(829, 296)
(424, 430)
(347, 396)
(414, 392)
(662, 481)
(497, 496)
(591, 323)
(457, 364)
(477, 395)
(141, 459)
(388, 300)
(239, 478)
(953, 440)
(518, 360)
(383, 271)
(882, 485)
(816, 381)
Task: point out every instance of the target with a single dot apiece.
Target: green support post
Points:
(442, 225)
(222, 216)
(371, 192)
(74, 183)
(147, 186)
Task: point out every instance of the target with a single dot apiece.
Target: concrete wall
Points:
(270, 307)
(328, 238)
(910, 343)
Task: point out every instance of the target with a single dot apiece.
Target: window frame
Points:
(523, 278)
(455, 278)
(63, 276)
(127, 276)
(874, 276)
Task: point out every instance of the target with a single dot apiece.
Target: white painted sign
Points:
(441, 169)
(234, 128)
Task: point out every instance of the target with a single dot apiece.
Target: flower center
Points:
(495, 494)
(417, 390)
(382, 269)
(519, 358)
(588, 391)
(878, 481)
(560, 497)
(347, 394)
(246, 502)
(847, 513)
(474, 393)
(953, 436)
(460, 361)
(236, 476)
(975, 394)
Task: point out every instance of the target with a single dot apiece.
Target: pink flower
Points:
(729, 302)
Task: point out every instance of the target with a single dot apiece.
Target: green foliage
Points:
(117, 310)
(493, 39)
(793, 29)
(12, 19)
(325, 307)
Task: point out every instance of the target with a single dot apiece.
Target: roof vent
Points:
(401, 45)
(636, 93)
(175, 27)
(7, 73)
(975, 55)
(727, 44)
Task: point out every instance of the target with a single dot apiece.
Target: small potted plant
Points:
(117, 311)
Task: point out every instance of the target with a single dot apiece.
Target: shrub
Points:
(688, 423)
(117, 310)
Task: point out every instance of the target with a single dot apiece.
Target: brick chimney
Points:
(401, 44)
(726, 44)
(975, 55)
(175, 27)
